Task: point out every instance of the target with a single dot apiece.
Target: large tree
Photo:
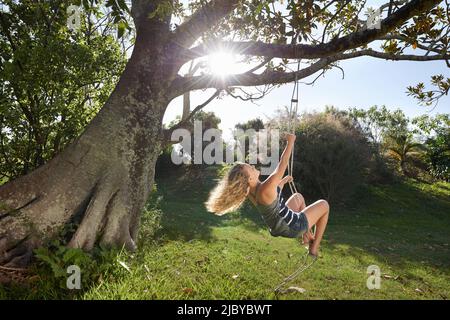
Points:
(100, 182)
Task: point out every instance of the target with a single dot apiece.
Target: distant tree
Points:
(255, 124)
(207, 120)
(437, 141)
(403, 148)
(373, 122)
(242, 135)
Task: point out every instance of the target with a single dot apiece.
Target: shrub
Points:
(150, 218)
(381, 169)
(53, 260)
(331, 157)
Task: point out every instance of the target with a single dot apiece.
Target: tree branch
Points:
(405, 39)
(182, 123)
(332, 18)
(202, 20)
(395, 57)
(390, 4)
(263, 63)
(249, 96)
(305, 51)
(183, 84)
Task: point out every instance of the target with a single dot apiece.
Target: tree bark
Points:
(100, 182)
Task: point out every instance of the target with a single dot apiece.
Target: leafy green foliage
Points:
(255, 124)
(241, 136)
(118, 11)
(373, 123)
(54, 82)
(438, 156)
(150, 217)
(403, 148)
(437, 132)
(52, 263)
(442, 87)
(419, 144)
(207, 120)
(63, 257)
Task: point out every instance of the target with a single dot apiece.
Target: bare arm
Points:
(284, 181)
(276, 177)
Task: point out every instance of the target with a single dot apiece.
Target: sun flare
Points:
(221, 63)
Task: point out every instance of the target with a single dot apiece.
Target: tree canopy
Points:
(272, 35)
(53, 82)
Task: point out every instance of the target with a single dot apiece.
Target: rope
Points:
(293, 111)
(304, 266)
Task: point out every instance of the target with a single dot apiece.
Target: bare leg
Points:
(296, 202)
(317, 214)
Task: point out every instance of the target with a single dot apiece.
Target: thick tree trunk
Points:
(101, 181)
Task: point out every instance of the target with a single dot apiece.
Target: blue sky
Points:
(368, 81)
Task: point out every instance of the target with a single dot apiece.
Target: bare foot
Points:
(308, 237)
(313, 249)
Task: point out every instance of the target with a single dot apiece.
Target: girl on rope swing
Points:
(291, 218)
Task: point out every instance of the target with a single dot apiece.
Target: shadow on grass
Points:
(442, 186)
(401, 224)
(185, 217)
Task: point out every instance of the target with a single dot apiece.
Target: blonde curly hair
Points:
(231, 191)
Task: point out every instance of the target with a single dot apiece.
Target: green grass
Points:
(404, 229)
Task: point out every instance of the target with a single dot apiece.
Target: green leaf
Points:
(86, 4)
(121, 27)
(259, 8)
(123, 6)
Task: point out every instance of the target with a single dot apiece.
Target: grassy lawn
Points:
(404, 229)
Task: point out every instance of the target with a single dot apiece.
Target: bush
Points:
(331, 157)
(438, 155)
(150, 218)
(381, 169)
(51, 269)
